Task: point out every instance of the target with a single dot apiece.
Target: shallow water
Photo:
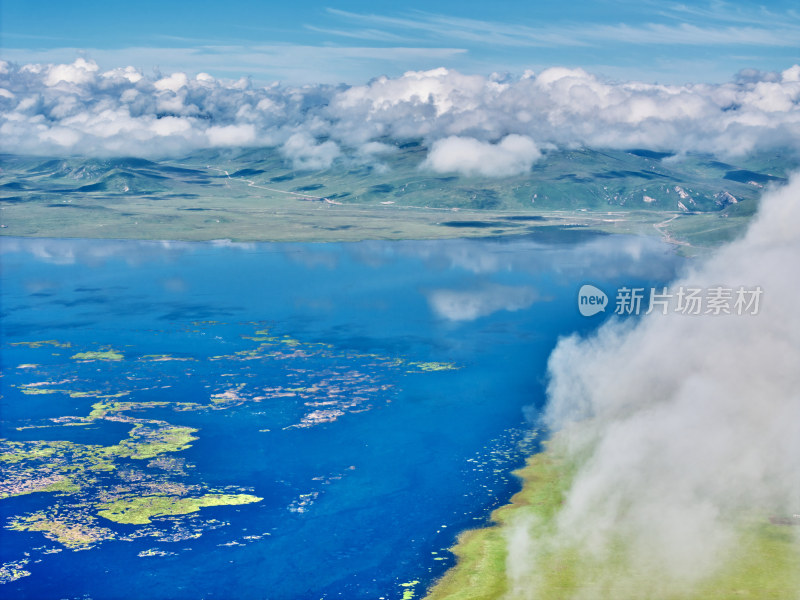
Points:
(374, 395)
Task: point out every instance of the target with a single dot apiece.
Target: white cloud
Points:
(294, 64)
(370, 149)
(173, 83)
(514, 154)
(171, 127)
(79, 72)
(232, 135)
(679, 423)
(130, 73)
(305, 153)
(472, 124)
(63, 137)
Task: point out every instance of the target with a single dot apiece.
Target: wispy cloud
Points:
(686, 26)
(29, 36)
(725, 12)
(460, 28)
(373, 35)
(694, 35)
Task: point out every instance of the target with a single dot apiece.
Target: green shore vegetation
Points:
(764, 565)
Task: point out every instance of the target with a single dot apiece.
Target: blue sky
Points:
(329, 42)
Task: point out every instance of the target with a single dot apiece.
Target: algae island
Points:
(139, 487)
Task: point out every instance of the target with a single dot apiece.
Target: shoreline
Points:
(479, 572)
(265, 220)
(688, 234)
(766, 563)
(298, 224)
(474, 234)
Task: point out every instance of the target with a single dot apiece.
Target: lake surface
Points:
(365, 401)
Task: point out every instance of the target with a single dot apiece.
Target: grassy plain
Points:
(255, 195)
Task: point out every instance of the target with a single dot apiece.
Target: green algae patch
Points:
(36, 391)
(230, 395)
(19, 455)
(128, 479)
(419, 366)
(764, 564)
(139, 511)
(11, 571)
(108, 355)
(433, 366)
(40, 343)
(64, 486)
(101, 410)
(149, 443)
(51, 483)
(77, 534)
(408, 592)
(154, 552)
(164, 358)
(92, 394)
(262, 335)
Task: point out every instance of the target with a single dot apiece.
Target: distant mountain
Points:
(40, 178)
(567, 179)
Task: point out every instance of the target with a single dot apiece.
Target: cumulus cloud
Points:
(307, 154)
(494, 120)
(680, 422)
(79, 72)
(468, 305)
(232, 135)
(514, 154)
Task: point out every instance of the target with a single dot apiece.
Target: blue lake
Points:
(375, 396)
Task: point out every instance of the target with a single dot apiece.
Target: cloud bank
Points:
(471, 124)
(681, 421)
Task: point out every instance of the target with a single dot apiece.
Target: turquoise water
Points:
(373, 396)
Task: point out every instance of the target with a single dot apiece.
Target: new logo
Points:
(591, 300)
